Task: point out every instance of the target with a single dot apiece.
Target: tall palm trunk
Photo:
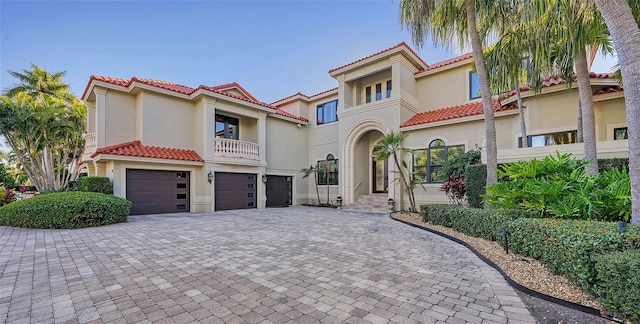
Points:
(588, 112)
(481, 69)
(579, 136)
(626, 37)
(406, 183)
(524, 141)
(315, 177)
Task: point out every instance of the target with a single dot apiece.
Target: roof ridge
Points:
(401, 44)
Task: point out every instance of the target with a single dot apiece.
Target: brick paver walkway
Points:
(295, 265)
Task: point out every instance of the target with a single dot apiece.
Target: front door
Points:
(380, 176)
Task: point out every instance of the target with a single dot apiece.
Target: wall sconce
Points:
(264, 178)
(210, 177)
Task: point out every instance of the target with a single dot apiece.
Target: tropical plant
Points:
(309, 171)
(38, 81)
(445, 20)
(390, 146)
(453, 170)
(623, 20)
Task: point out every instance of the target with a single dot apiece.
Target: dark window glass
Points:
(250, 204)
(250, 186)
(367, 95)
(181, 207)
(181, 196)
(427, 163)
(181, 175)
(558, 138)
(389, 89)
(378, 91)
(620, 133)
(474, 86)
(251, 176)
(249, 194)
(227, 127)
(328, 171)
(327, 112)
(181, 185)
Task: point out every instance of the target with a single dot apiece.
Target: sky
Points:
(272, 48)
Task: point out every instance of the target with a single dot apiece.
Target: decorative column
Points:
(101, 116)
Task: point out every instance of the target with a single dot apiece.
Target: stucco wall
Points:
(610, 114)
(120, 117)
(444, 89)
(168, 121)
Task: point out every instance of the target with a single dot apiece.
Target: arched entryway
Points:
(360, 174)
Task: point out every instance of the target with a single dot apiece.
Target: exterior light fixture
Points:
(210, 177)
(339, 202)
(264, 178)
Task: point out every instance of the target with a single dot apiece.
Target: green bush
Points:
(94, 184)
(618, 282)
(476, 176)
(614, 163)
(66, 210)
(578, 250)
(559, 187)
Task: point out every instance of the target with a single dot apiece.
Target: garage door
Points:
(156, 192)
(235, 191)
(278, 191)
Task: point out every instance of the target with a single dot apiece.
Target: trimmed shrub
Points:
(618, 282)
(613, 163)
(66, 210)
(476, 176)
(94, 184)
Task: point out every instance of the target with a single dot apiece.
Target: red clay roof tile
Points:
(609, 90)
(465, 110)
(553, 81)
(403, 44)
(448, 62)
(135, 148)
(286, 114)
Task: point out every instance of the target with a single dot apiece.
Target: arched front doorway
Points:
(363, 175)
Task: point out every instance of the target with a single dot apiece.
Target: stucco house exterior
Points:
(173, 148)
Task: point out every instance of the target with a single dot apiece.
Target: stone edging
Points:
(555, 300)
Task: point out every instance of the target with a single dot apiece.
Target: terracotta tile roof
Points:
(135, 148)
(553, 81)
(286, 114)
(609, 90)
(234, 85)
(323, 92)
(469, 109)
(448, 62)
(403, 44)
(303, 96)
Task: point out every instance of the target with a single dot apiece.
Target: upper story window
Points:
(620, 133)
(549, 139)
(327, 112)
(227, 127)
(474, 86)
(427, 163)
(382, 90)
(328, 171)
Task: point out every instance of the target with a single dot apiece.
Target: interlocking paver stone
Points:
(291, 265)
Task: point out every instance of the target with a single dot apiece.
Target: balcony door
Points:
(227, 127)
(380, 175)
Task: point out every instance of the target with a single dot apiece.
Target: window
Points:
(367, 96)
(620, 133)
(427, 164)
(327, 112)
(474, 86)
(389, 89)
(558, 138)
(378, 91)
(227, 127)
(328, 171)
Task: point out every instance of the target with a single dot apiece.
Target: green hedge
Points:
(619, 282)
(66, 210)
(608, 164)
(95, 184)
(476, 181)
(572, 248)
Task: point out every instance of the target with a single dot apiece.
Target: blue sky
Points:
(272, 48)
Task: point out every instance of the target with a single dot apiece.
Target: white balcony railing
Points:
(236, 149)
(90, 143)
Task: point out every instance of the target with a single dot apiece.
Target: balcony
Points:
(90, 145)
(230, 148)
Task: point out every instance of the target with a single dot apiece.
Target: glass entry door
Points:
(380, 176)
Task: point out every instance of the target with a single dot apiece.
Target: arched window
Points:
(328, 171)
(427, 163)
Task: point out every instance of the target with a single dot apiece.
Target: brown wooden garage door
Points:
(235, 191)
(156, 192)
(278, 191)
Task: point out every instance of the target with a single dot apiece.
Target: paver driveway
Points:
(297, 265)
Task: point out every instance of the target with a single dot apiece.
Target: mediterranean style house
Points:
(173, 148)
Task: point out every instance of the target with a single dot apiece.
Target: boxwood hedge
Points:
(585, 252)
(94, 184)
(66, 210)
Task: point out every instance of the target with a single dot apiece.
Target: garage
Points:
(235, 191)
(279, 191)
(157, 192)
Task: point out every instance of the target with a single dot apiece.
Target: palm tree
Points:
(444, 20)
(391, 146)
(566, 28)
(309, 171)
(623, 21)
(39, 81)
